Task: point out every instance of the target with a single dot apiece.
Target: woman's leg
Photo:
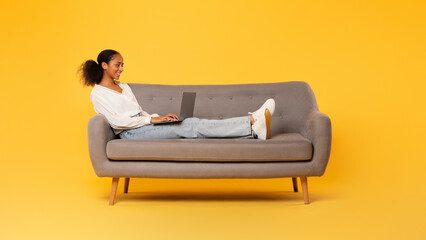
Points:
(166, 131)
(238, 127)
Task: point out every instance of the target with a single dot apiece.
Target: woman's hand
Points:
(168, 117)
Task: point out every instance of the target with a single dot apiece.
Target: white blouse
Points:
(119, 108)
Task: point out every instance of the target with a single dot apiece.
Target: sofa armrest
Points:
(99, 133)
(317, 128)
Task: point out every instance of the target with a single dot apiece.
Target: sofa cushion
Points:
(281, 147)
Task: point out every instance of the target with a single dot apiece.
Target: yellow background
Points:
(365, 61)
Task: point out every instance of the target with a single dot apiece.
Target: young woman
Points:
(116, 101)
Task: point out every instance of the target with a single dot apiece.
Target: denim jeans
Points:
(238, 127)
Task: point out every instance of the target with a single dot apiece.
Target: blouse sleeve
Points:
(119, 121)
(147, 114)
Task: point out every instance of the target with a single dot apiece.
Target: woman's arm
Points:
(118, 121)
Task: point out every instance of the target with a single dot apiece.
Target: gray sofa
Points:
(299, 146)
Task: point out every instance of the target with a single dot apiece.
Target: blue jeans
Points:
(238, 127)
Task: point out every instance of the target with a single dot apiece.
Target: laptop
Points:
(186, 108)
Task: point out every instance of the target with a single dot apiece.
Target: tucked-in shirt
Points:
(119, 108)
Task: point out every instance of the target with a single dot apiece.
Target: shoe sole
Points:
(268, 122)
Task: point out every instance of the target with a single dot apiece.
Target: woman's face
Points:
(115, 67)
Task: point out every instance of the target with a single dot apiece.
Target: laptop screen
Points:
(187, 105)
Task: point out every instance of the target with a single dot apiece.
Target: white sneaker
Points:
(262, 119)
(262, 125)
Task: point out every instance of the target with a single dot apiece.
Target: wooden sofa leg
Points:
(126, 184)
(113, 190)
(304, 181)
(295, 184)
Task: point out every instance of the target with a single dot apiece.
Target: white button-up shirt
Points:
(119, 108)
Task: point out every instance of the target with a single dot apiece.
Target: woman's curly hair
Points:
(91, 72)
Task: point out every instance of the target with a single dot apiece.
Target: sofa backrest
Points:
(294, 100)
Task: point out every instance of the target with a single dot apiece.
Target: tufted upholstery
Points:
(294, 101)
